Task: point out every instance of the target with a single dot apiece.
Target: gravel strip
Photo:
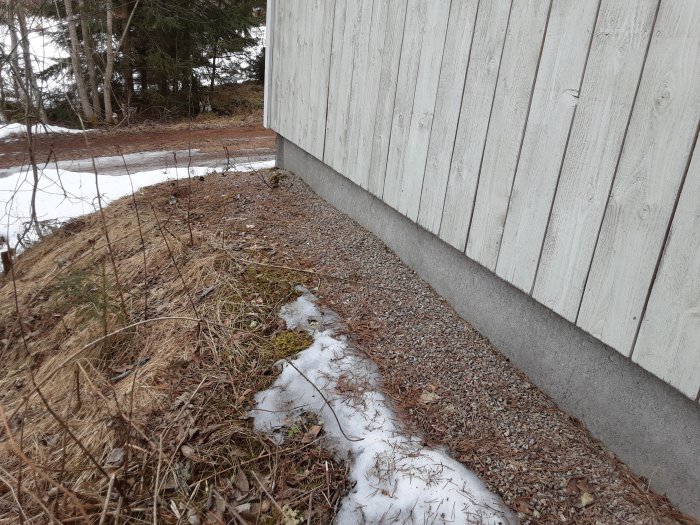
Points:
(446, 380)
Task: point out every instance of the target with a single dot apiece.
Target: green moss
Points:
(290, 342)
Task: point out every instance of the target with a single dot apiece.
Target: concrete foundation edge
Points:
(649, 425)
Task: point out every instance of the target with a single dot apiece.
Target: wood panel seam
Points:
(566, 148)
(665, 242)
(524, 133)
(488, 127)
(461, 103)
(617, 164)
(396, 88)
(432, 121)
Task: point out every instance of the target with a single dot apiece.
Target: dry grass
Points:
(129, 402)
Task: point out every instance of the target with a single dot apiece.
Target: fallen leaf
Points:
(311, 434)
(241, 482)
(188, 452)
(586, 499)
(206, 292)
(115, 457)
(429, 398)
(584, 486)
(522, 506)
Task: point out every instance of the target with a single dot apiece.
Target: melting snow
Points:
(15, 129)
(65, 194)
(397, 479)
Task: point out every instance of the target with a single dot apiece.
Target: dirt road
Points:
(207, 141)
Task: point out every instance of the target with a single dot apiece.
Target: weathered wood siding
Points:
(552, 141)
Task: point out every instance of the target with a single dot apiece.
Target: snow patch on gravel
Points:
(397, 479)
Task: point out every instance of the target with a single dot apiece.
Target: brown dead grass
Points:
(139, 413)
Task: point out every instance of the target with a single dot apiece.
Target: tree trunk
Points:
(3, 117)
(20, 93)
(127, 44)
(109, 68)
(144, 80)
(31, 87)
(213, 68)
(75, 61)
(213, 65)
(88, 48)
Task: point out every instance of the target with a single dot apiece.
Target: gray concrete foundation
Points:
(648, 424)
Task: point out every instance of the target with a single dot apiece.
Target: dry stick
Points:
(99, 339)
(50, 280)
(143, 242)
(308, 518)
(228, 158)
(267, 493)
(109, 243)
(189, 192)
(23, 457)
(308, 272)
(128, 429)
(36, 498)
(121, 416)
(177, 418)
(20, 507)
(72, 435)
(155, 486)
(62, 470)
(19, 474)
(26, 350)
(172, 258)
(108, 495)
(325, 400)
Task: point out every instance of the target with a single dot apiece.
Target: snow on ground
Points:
(16, 130)
(63, 194)
(397, 479)
(149, 160)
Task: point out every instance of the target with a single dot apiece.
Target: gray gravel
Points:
(544, 463)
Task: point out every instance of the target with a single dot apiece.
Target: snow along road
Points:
(149, 160)
(65, 194)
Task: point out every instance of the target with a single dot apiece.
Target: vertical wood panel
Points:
(424, 101)
(290, 52)
(669, 338)
(516, 80)
(460, 32)
(279, 68)
(386, 99)
(358, 89)
(654, 158)
(458, 189)
(269, 21)
(462, 112)
(322, 28)
(303, 21)
(339, 87)
(377, 46)
(552, 110)
(605, 104)
(405, 94)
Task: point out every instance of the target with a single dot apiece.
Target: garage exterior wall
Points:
(554, 143)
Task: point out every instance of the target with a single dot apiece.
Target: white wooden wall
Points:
(552, 141)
